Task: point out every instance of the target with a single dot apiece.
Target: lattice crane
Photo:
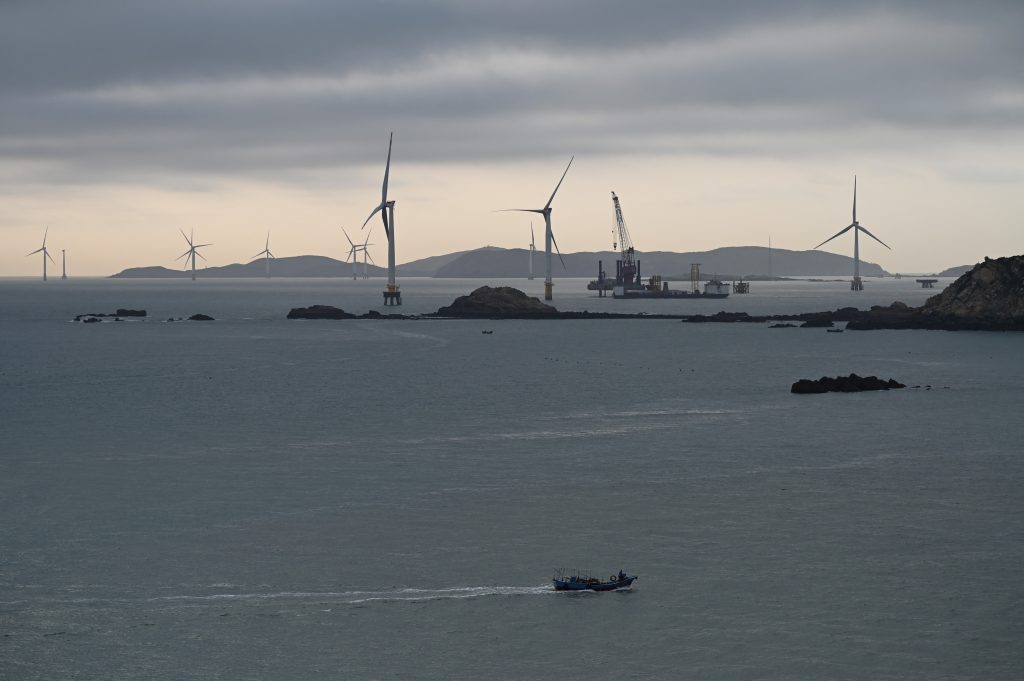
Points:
(626, 267)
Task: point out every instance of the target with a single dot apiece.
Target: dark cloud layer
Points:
(107, 90)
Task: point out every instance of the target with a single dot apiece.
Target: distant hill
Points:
(511, 263)
(955, 271)
(295, 266)
(735, 261)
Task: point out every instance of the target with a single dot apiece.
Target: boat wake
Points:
(359, 597)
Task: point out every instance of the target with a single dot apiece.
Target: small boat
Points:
(566, 580)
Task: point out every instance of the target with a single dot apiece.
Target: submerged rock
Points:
(498, 302)
(319, 312)
(844, 384)
(200, 318)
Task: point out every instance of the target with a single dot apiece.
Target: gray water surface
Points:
(258, 498)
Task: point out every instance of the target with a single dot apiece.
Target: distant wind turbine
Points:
(392, 296)
(193, 251)
(265, 252)
(63, 264)
(549, 236)
(353, 253)
(857, 228)
(46, 253)
(365, 248)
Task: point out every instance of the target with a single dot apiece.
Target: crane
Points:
(627, 267)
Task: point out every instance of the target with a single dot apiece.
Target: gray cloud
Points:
(110, 90)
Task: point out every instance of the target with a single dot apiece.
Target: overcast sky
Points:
(717, 123)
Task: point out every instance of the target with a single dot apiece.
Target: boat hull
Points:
(561, 585)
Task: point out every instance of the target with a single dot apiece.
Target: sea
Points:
(261, 498)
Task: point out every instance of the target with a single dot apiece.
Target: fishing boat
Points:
(574, 580)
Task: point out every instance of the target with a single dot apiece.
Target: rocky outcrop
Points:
(319, 312)
(121, 312)
(988, 298)
(200, 318)
(844, 384)
(502, 302)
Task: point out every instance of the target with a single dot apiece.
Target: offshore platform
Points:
(628, 282)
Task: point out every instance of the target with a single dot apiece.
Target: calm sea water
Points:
(258, 498)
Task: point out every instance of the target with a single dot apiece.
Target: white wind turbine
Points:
(265, 252)
(533, 249)
(856, 284)
(46, 253)
(392, 296)
(193, 251)
(549, 236)
(365, 248)
(353, 252)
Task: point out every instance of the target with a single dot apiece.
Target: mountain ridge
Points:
(510, 263)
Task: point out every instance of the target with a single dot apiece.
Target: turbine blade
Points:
(555, 243)
(201, 245)
(368, 235)
(387, 228)
(370, 258)
(387, 171)
(520, 210)
(201, 255)
(47, 254)
(33, 252)
(855, 199)
(188, 252)
(257, 255)
(843, 231)
(348, 237)
(532, 239)
(380, 207)
(44, 236)
(186, 236)
(271, 254)
(864, 229)
(548, 204)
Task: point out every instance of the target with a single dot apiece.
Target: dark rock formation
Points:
(127, 312)
(319, 312)
(988, 298)
(91, 320)
(782, 326)
(200, 318)
(844, 384)
(503, 302)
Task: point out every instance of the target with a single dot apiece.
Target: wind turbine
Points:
(46, 253)
(193, 251)
(353, 253)
(856, 284)
(265, 252)
(392, 296)
(549, 236)
(63, 264)
(366, 252)
(533, 249)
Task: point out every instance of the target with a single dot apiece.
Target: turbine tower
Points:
(193, 251)
(63, 264)
(265, 252)
(533, 249)
(549, 236)
(46, 253)
(392, 296)
(857, 228)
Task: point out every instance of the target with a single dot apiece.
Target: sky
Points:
(718, 123)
